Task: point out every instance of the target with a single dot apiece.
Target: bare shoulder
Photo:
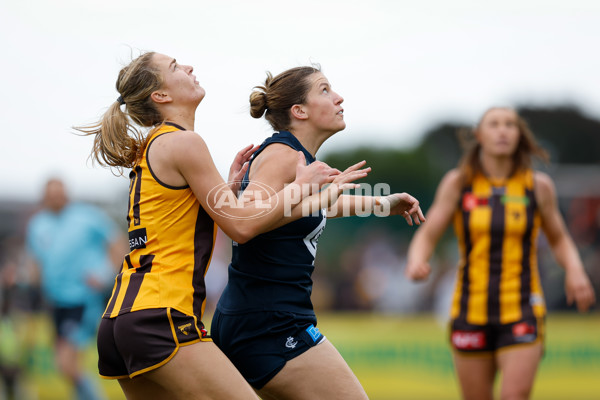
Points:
(452, 178)
(543, 185)
(184, 139)
(451, 184)
(448, 192)
(276, 158)
(182, 144)
(278, 152)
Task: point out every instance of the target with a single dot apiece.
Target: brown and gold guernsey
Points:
(497, 225)
(171, 240)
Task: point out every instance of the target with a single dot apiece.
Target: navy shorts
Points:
(260, 343)
(67, 321)
(137, 342)
(468, 339)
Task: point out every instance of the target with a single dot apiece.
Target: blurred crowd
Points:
(368, 276)
(372, 277)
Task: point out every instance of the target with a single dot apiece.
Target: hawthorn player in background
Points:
(498, 204)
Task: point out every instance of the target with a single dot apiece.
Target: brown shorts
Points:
(137, 342)
(468, 339)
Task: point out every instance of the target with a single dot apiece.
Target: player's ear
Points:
(299, 112)
(160, 97)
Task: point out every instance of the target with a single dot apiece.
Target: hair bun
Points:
(258, 102)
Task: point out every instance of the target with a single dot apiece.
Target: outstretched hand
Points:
(354, 172)
(240, 166)
(340, 181)
(403, 204)
(344, 181)
(313, 176)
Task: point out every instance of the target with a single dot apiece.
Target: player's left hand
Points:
(579, 289)
(406, 205)
(240, 166)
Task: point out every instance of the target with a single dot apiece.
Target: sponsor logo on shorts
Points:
(523, 332)
(314, 333)
(185, 329)
(291, 343)
(468, 340)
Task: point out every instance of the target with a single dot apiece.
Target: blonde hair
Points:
(118, 142)
(527, 149)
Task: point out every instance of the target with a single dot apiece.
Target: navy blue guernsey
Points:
(272, 272)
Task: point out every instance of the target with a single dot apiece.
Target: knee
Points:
(515, 393)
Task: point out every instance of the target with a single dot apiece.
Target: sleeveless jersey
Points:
(497, 225)
(171, 239)
(272, 272)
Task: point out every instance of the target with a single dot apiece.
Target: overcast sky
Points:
(401, 66)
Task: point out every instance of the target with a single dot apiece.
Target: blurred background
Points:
(412, 75)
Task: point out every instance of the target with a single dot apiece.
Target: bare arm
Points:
(383, 206)
(273, 168)
(577, 285)
(187, 155)
(439, 216)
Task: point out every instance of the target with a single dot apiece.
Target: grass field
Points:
(394, 357)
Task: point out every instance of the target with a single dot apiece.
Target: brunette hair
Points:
(118, 142)
(275, 98)
(527, 149)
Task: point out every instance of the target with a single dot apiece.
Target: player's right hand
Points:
(315, 175)
(417, 271)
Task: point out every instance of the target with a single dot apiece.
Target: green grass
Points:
(408, 357)
(394, 357)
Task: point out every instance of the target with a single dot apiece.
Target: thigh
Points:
(318, 373)
(473, 347)
(137, 342)
(476, 373)
(260, 344)
(141, 388)
(518, 365)
(200, 371)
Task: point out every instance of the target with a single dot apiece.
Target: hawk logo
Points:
(185, 329)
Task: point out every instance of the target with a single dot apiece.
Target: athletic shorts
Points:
(467, 339)
(260, 343)
(67, 321)
(137, 342)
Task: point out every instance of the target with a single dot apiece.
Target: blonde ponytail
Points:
(118, 142)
